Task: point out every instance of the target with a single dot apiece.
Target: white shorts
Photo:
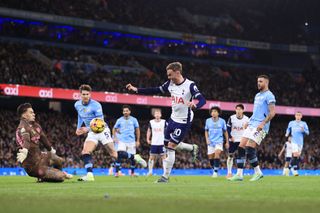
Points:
(212, 148)
(253, 134)
(102, 137)
(128, 147)
(297, 147)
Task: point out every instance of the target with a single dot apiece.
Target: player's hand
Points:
(81, 131)
(131, 88)
(137, 144)
(279, 156)
(53, 151)
(148, 141)
(192, 105)
(260, 127)
(22, 155)
(208, 143)
(245, 125)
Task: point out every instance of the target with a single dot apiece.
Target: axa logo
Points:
(11, 91)
(142, 101)
(111, 98)
(177, 100)
(76, 96)
(46, 93)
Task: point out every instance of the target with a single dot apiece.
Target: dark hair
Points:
(22, 108)
(215, 108)
(126, 106)
(264, 76)
(175, 66)
(240, 105)
(85, 87)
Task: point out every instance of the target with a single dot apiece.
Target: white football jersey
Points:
(181, 95)
(157, 130)
(288, 149)
(237, 126)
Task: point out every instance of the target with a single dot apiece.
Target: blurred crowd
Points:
(68, 68)
(60, 129)
(245, 20)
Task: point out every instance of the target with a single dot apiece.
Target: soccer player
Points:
(236, 125)
(182, 91)
(89, 109)
(287, 147)
(258, 127)
(155, 137)
(29, 137)
(126, 133)
(297, 129)
(215, 130)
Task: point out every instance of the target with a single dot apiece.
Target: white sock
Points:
(184, 146)
(150, 164)
(240, 172)
(168, 163)
(229, 164)
(257, 170)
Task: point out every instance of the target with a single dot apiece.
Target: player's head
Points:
(174, 71)
(263, 82)
(298, 116)
(239, 110)
(85, 93)
(157, 114)
(25, 111)
(126, 110)
(215, 111)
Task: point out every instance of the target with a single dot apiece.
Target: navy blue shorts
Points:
(233, 146)
(157, 149)
(288, 159)
(175, 132)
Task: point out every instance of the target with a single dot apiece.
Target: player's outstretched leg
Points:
(193, 148)
(53, 175)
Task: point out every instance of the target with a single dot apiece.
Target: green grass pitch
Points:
(141, 194)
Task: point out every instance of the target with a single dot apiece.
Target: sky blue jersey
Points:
(297, 130)
(262, 101)
(215, 130)
(127, 129)
(88, 112)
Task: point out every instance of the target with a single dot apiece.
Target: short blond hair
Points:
(175, 66)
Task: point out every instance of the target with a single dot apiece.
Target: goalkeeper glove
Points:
(22, 155)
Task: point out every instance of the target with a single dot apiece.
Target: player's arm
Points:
(115, 131)
(306, 129)
(149, 134)
(44, 140)
(226, 135)
(272, 113)
(288, 131)
(229, 128)
(23, 137)
(137, 136)
(281, 152)
(151, 90)
(206, 133)
(196, 95)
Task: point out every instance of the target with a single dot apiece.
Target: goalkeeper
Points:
(46, 166)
